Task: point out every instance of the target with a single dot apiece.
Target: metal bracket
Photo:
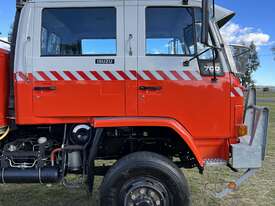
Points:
(236, 184)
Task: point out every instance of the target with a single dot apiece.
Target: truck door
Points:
(169, 88)
(79, 59)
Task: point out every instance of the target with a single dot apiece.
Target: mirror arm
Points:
(214, 79)
(187, 62)
(241, 54)
(5, 42)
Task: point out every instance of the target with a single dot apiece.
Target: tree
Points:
(252, 66)
(247, 62)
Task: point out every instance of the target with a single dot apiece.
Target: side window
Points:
(170, 31)
(78, 31)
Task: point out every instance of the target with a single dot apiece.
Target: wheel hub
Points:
(145, 192)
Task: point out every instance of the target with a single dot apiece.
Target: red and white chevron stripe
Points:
(236, 92)
(120, 75)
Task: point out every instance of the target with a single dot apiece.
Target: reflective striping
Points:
(117, 75)
(157, 76)
(70, 75)
(37, 77)
(90, 75)
(114, 75)
(130, 75)
(196, 75)
(190, 75)
(83, 75)
(103, 75)
(63, 75)
(44, 76)
(183, 75)
(57, 75)
(170, 75)
(77, 76)
(237, 92)
(143, 75)
(163, 75)
(150, 75)
(51, 76)
(110, 75)
(21, 76)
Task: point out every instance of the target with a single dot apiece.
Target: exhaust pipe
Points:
(41, 175)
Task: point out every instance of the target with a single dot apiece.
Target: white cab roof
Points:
(222, 15)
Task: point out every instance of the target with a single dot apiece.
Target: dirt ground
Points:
(258, 191)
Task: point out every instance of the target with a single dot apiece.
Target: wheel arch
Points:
(105, 122)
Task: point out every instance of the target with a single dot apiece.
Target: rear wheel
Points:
(144, 179)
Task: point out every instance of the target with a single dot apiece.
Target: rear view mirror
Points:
(241, 56)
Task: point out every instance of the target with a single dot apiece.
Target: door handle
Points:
(150, 88)
(44, 88)
(130, 44)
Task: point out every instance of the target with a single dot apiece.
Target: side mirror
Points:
(241, 55)
(205, 21)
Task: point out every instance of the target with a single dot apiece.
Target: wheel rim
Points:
(144, 191)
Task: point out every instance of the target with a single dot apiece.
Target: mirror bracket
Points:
(205, 22)
(184, 2)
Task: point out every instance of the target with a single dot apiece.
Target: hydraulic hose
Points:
(3, 134)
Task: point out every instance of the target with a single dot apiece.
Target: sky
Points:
(253, 22)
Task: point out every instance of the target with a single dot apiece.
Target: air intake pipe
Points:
(41, 175)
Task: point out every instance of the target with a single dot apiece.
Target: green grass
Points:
(258, 191)
(270, 94)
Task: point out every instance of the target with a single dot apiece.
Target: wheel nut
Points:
(142, 191)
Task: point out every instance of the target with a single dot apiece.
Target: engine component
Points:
(74, 161)
(26, 153)
(80, 134)
(4, 132)
(42, 140)
(40, 175)
(12, 148)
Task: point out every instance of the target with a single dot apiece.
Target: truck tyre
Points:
(144, 179)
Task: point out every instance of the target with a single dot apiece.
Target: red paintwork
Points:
(202, 112)
(4, 86)
(237, 110)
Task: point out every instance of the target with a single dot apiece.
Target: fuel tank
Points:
(4, 86)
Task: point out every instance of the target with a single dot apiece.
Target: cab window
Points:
(78, 31)
(170, 31)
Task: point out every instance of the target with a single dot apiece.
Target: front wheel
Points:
(144, 179)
